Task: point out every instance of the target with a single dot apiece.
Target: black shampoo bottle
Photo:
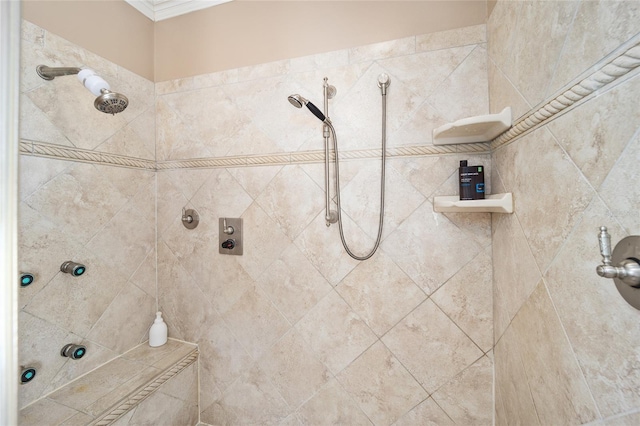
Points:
(471, 182)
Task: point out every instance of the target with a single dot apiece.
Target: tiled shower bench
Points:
(145, 385)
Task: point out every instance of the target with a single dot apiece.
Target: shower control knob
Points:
(73, 351)
(229, 244)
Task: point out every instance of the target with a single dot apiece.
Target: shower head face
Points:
(111, 102)
(297, 101)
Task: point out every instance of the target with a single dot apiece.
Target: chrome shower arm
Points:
(49, 73)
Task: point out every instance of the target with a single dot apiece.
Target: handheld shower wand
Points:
(298, 102)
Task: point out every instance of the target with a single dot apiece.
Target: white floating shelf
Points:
(494, 203)
(482, 128)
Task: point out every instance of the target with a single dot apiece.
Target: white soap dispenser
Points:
(158, 331)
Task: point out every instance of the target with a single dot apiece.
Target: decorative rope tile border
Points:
(61, 152)
(126, 404)
(309, 157)
(607, 74)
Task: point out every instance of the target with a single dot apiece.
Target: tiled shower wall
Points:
(567, 343)
(295, 331)
(81, 210)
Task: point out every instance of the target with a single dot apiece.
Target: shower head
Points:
(298, 101)
(107, 101)
(110, 102)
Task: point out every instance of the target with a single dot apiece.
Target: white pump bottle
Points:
(158, 331)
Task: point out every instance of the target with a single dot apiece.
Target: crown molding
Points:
(158, 10)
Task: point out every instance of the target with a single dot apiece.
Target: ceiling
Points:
(157, 10)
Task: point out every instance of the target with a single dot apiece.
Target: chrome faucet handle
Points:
(605, 245)
(627, 268)
(185, 217)
(227, 229)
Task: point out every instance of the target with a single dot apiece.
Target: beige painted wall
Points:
(111, 29)
(240, 33)
(243, 33)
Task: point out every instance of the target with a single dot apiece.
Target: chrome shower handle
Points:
(227, 229)
(627, 268)
(605, 245)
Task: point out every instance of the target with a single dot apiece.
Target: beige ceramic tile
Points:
(332, 405)
(426, 174)
(178, 293)
(126, 229)
(45, 411)
(263, 241)
(598, 321)
(625, 420)
(416, 236)
(79, 419)
(80, 201)
(224, 359)
(532, 51)
(618, 190)
(323, 248)
(380, 292)
(334, 59)
(594, 135)
(445, 39)
(255, 322)
(254, 179)
(137, 139)
(254, 400)
(36, 126)
(599, 27)
(126, 314)
(467, 299)
(440, 63)
(530, 169)
(215, 79)
(220, 196)
(335, 333)
(468, 397)
(36, 171)
(549, 363)
(358, 123)
(293, 284)
(465, 91)
(503, 94)
(431, 346)
(399, 47)
(294, 369)
(140, 379)
(361, 199)
(382, 387)
(512, 384)
(171, 352)
(282, 200)
(88, 389)
(428, 413)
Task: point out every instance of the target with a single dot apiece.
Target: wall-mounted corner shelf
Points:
(482, 128)
(494, 203)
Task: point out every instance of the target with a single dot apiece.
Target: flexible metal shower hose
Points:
(382, 180)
